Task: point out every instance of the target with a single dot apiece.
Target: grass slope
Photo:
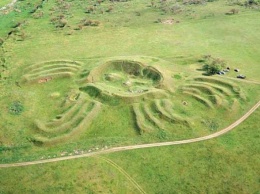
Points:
(4, 2)
(228, 164)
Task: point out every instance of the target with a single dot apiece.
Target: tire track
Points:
(138, 187)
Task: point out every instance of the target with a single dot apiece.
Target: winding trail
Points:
(141, 146)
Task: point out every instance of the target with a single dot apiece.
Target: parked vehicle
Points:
(221, 73)
(241, 76)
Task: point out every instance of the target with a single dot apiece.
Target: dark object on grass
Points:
(16, 108)
(17, 84)
(221, 73)
(213, 65)
(236, 70)
(241, 76)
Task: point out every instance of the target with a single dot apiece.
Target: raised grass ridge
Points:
(213, 92)
(44, 72)
(77, 118)
(155, 115)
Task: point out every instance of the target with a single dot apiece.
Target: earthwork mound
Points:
(213, 92)
(150, 90)
(124, 80)
(44, 72)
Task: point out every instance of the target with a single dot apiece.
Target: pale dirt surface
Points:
(133, 147)
(10, 5)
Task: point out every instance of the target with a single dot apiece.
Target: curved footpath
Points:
(133, 147)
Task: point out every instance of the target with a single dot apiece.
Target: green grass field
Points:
(88, 75)
(4, 2)
(228, 164)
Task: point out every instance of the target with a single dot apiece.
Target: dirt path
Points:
(8, 5)
(133, 147)
(137, 186)
(244, 80)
